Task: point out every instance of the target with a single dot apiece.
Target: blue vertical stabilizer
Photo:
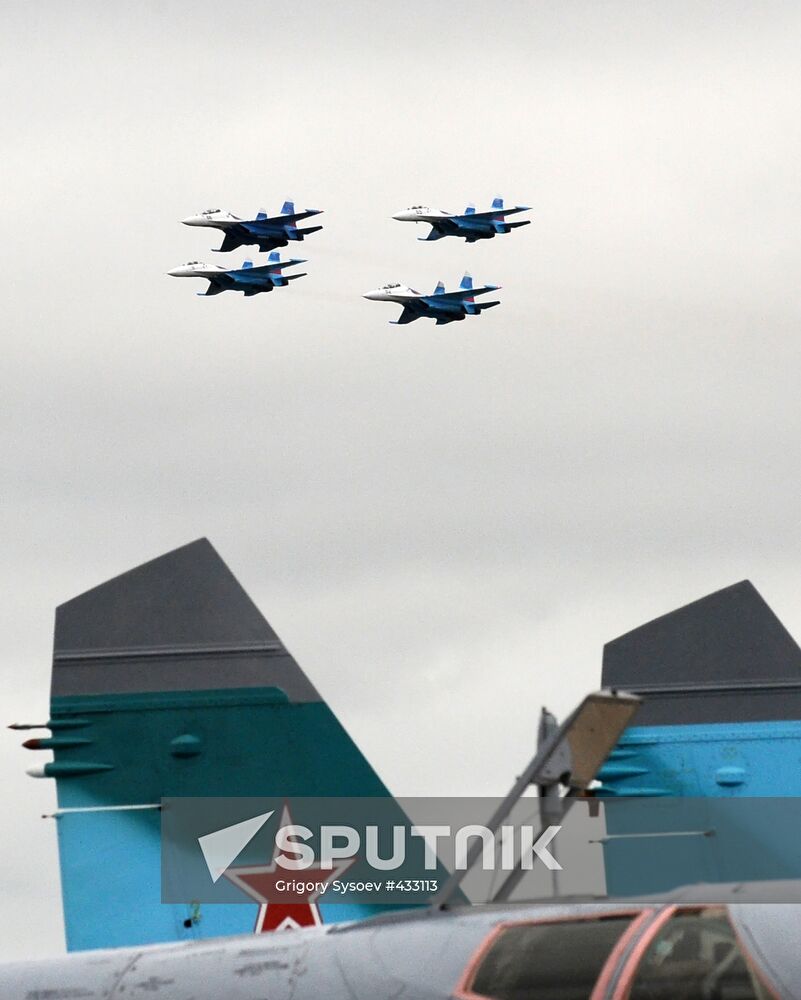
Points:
(170, 682)
(721, 718)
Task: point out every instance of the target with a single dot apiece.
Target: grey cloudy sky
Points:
(443, 524)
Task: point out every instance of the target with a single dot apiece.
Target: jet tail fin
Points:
(497, 202)
(440, 289)
(470, 209)
(177, 686)
(261, 215)
(288, 208)
(467, 280)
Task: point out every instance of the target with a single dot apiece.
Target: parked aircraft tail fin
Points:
(721, 716)
(168, 681)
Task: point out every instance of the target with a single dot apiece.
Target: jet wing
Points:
(230, 242)
(462, 293)
(278, 221)
(407, 316)
(493, 214)
(263, 270)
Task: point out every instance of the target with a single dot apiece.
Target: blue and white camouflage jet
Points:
(470, 225)
(265, 232)
(248, 279)
(444, 307)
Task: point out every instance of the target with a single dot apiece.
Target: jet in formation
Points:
(249, 279)
(442, 306)
(168, 681)
(470, 225)
(266, 232)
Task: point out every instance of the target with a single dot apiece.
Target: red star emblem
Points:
(300, 909)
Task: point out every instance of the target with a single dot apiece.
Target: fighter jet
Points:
(264, 231)
(248, 279)
(470, 225)
(444, 307)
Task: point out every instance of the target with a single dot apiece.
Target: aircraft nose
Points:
(176, 272)
(192, 220)
(370, 295)
(401, 217)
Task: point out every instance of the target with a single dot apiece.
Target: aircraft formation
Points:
(268, 233)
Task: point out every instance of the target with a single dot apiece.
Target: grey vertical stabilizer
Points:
(723, 658)
(179, 622)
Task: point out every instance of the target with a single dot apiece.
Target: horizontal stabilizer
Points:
(297, 234)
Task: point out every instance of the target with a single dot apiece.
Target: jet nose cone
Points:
(176, 272)
(192, 220)
(370, 295)
(401, 217)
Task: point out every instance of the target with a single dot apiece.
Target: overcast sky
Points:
(443, 524)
